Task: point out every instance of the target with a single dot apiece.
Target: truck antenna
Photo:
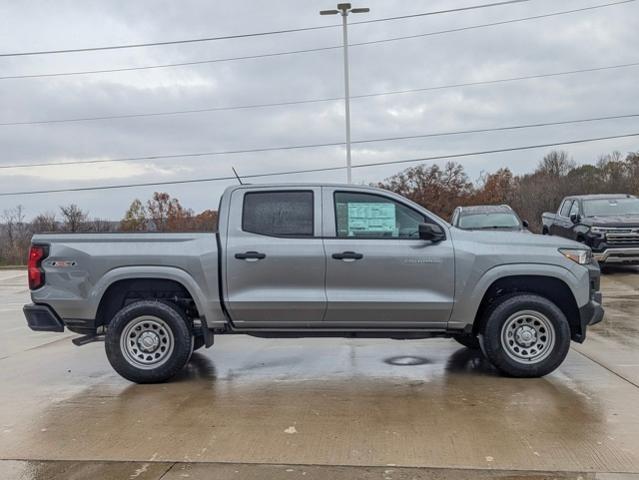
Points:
(237, 176)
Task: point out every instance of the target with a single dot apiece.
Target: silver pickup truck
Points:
(315, 260)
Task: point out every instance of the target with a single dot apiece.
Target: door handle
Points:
(250, 256)
(348, 256)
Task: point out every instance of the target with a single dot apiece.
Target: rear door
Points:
(274, 255)
(378, 272)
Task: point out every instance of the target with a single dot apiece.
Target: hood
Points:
(631, 220)
(518, 239)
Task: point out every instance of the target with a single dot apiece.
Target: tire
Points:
(168, 337)
(525, 335)
(468, 341)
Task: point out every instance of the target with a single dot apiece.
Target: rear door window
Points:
(279, 214)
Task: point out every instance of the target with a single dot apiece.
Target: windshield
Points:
(489, 220)
(611, 206)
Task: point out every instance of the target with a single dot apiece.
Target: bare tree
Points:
(556, 164)
(74, 219)
(45, 222)
(100, 225)
(15, 235)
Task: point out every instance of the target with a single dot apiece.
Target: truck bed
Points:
(82, 266)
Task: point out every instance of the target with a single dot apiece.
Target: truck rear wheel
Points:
(148, 341)
(525, 335)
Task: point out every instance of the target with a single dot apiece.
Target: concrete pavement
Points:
(321, 408)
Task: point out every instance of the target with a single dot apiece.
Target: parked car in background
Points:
(488, 217)
(315, 261)
(608, 224)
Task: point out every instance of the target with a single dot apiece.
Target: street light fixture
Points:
(344, 9)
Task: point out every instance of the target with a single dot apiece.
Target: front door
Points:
(275, 264)
(561, 224)
(379, 274)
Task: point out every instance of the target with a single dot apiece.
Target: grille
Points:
(623, 238)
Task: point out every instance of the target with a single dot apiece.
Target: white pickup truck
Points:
(315, 260)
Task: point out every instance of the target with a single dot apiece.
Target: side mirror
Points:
(432, 232)
(525, 224)
(574, 218)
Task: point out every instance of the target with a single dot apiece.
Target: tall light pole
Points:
(344, 9)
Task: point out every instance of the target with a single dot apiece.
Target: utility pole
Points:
(344, 9)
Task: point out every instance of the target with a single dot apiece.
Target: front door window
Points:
(363, 215)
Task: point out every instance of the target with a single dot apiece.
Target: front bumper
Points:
(41, 318)
(592, 312)
(629, 255)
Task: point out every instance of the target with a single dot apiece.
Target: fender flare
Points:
(204, 305)
(464, 311)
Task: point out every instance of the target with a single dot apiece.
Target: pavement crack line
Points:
(173, 464)
(607, 368)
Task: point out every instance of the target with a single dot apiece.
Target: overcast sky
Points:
(601, 37)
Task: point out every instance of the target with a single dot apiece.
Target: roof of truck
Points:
(301, 184)
(289, 186)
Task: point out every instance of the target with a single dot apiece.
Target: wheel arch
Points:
(552, 288)
(118, 285)
(474, 289)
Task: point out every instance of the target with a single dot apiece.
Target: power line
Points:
(255, 34)
(318, 100)
(171, 42)
(437, 12)
(308, 50)
(171, 65)
(316, 170)
(493, 24)
(176, 112)
(318, 145)
(501, 80)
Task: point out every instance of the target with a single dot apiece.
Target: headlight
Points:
(577, 255)
(598, 229)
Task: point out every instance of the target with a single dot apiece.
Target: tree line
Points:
(441, 189)
(161, 213)
(438, 188)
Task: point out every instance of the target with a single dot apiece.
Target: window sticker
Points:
(371, 217)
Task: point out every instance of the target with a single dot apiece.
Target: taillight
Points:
(37, 253)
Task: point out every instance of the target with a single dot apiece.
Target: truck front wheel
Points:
(525, 335)
(148, 341)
